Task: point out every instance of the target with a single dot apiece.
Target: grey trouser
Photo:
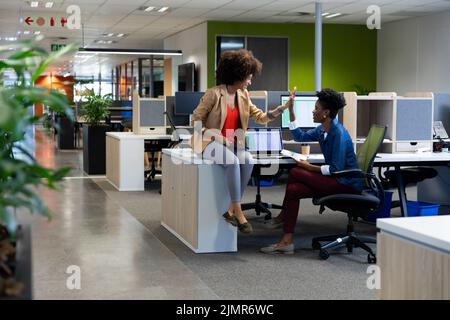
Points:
(237, 165)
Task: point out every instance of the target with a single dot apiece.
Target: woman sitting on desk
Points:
(224, 112)
(307, 180)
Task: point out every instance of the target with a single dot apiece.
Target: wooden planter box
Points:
(22, 266)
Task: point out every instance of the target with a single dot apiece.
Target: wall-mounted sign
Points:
(56, 47)
(72, 21)
(52, 22)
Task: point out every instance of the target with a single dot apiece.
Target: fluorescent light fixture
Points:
(163, 9)
(49, 4)
(325, 14)
(333, 15)
(148, 9)
(120, 35)
(130, 52)
(34, 4)
(110, 34)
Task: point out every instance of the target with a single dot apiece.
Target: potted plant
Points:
(20, 174)
(95, 110)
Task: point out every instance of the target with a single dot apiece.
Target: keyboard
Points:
(270, 156)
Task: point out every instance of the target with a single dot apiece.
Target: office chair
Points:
(355, 205)
(153, 147)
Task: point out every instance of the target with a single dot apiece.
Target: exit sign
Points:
(57, 47)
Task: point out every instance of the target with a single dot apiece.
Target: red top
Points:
(231, 123)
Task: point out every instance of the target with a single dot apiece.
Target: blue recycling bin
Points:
(422, 209)
(384, 212)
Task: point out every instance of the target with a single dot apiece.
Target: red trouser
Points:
(307, 184)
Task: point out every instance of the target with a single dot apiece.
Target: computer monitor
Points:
(303, 108)
(264, 140)
(186, 77)
(186, 102)
(170, 109)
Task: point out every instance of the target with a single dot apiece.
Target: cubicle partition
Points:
(148, 115)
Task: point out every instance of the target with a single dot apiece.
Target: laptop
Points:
(265, 143)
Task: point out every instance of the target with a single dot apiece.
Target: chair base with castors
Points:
(258, 205)
(349, 240)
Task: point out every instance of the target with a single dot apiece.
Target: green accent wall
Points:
(349, 52)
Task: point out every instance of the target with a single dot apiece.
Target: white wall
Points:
(413, 54)
(193, 43)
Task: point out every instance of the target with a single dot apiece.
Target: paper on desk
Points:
(294, 155)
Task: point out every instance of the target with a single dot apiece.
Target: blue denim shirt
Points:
(337, 149)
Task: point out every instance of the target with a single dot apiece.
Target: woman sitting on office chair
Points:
(307, 180)
(224, 112)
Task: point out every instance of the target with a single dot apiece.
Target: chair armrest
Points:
(352, 173)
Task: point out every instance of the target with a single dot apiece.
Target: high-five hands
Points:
(290, 103)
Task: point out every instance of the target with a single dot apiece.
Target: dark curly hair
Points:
(331, 100)
(237, 66)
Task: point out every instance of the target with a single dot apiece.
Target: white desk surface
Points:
(187, 155)
(412, 157)
(132, 136)
(430, 231)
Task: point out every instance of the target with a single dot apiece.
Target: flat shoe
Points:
(231, 219)
(274, 249)
(245, 227)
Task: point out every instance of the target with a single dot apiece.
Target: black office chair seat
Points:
(346, 202)
(409, 175)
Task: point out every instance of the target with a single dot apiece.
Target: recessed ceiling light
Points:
(333, 15)
(49, 4)
(148, 9)
(120, 35)
(34, 4)
(163, 9)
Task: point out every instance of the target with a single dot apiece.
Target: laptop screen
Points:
(264, 140)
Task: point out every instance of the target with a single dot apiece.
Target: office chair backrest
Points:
(366, 154)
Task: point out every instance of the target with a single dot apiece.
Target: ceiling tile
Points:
(208, 4)
(279, 6)
(167, 3)
(245, 5)
(222, 13)
(187, 12)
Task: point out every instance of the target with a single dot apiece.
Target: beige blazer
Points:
(212, 111)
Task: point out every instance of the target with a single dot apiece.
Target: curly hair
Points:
(331, 100)
(237, 66)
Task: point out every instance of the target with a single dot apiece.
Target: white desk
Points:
(125, 159)
(414, 257)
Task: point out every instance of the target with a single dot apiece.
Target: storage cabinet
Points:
(408, 119)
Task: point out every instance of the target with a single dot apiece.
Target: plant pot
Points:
(94, 148)
(21, 264)
(66, 133)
